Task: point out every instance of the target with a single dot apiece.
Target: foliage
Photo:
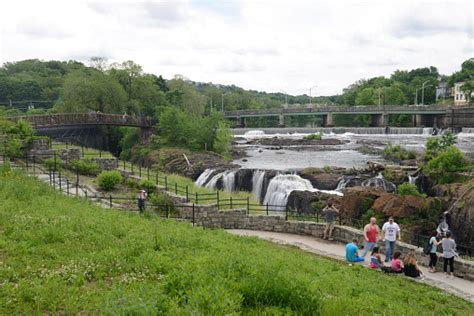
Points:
(397, 153)
(53, 163)
(85, 166)
(108, 180)
(468, 89)
(409, 189)
(88, 260)
(444, 166)
(222, 139)
(147, 185)
(317, 136)
(436, 145)
(327, 169)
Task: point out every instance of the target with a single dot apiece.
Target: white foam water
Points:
(203, 177)
(257, 183)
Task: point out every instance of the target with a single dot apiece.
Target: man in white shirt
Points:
(390, 234)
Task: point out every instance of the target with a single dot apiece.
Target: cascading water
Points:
(412, 179)
(257, 183)
(282, 185)
(379, 182)
(342, 184)
(228, 180)
(202, 180)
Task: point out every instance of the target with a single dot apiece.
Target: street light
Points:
(310, 98)
(286, 98)
(423, 92)
(222, 104)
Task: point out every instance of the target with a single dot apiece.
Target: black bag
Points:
(427, 248)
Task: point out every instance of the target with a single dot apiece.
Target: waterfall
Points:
(379, 182)
(342, 184)
(254, 133)
(228, 180)
(282, 185)
(202, 180)
(257, 183)
(412, 179)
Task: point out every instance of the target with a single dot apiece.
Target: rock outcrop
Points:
(307, 202)
(320, 179)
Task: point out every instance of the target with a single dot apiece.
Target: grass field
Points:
(60, 255)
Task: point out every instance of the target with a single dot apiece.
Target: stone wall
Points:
(209, 216)
(66, 155)
(106, 163)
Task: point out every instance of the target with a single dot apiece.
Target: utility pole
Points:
(222, 104)
(423, 92)
(286, 98)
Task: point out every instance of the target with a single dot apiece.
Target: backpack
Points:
(427, 248)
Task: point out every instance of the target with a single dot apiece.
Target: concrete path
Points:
(456, 286)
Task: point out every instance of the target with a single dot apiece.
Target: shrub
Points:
(313, 137)
(50, 163)
(397, 153)
(327, 169)
(409, 189)
(108, 180)
(147, 185)
(436, 145)
(444, 166)
(163, 203)
(86, 167)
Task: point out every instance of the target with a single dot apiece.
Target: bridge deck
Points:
(77, 119)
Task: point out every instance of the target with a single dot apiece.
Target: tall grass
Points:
(61, 255)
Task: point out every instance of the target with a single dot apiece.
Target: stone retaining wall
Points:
(106, 163)
(209, 216)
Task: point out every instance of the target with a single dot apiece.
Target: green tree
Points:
(443, 167)
(468, 89)
(365, 97)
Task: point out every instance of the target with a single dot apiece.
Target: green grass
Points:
(60, 255)
(88, 152)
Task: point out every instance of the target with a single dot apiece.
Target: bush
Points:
(436, 145)
(409, 189)
(327, 169)
(397, 153)
(50, 163)
(86, 167)
(313, 137)
(108, 180)
(147, 185)
(444, 166)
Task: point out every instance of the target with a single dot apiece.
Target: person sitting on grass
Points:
(411, 267)
(375, 260)
(396, 264)
(352, 254)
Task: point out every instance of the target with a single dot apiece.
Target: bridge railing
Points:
(91, 118)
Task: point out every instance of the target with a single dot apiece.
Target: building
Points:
(442, 91)
(459, 97)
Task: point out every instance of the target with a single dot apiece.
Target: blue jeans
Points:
(368, 246)
(357, 259)
(389, 248)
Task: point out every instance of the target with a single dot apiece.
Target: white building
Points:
(459, 97)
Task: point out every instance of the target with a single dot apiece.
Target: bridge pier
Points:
(241, 122)
(380, 120)
(281, 120)
(145, 135)
(328, 120)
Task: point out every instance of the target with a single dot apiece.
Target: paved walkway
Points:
(457, 286)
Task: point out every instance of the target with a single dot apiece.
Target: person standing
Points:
(330, 212)
(390, 234)
(142, 195)
(351, 252)
(449, 252)
(371, 235)
(434, 247)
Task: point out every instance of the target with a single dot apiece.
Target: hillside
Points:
(62, 255)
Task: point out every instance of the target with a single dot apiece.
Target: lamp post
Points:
(222, 104)
(286, 98)
(423, 92)
(310, 97)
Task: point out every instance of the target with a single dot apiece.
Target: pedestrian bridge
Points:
(81, 120)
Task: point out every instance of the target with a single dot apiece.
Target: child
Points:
(375, 260)
(396, 264)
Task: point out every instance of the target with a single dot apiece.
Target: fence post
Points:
(110, 201)
(77, 181)
(54, 172)
(167, 211)
(193, 214)
(267, 208)
(26, 160)
(67, 186)
(60, 181)
(197, 198)
(124, 165)
(34, 167)
(140, 170)
(148, 173)
(82, 149)
(156, 178)
(100, 153)
(248, 205)
(187, 194)
(317, 217)
(286, 213)
(166, 183)
(50, 182)
(85, 192)
(176, 188)
(218, 200)
(231, 202)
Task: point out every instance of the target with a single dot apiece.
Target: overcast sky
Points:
(264, 45)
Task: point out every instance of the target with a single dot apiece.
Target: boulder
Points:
(307, 202)
(400, 206)
(357, 200)
(320, 179)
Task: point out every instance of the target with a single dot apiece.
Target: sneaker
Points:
(330, 239)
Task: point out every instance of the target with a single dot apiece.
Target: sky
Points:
(286, 46)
